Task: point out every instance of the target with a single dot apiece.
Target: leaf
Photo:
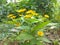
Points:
(34, 41)
(56, 42)
(43, 39)
(24, 36)
(46, 40)
(32, 20)
(23, 27)
(39, 43)
(40, 25)
(54, 1)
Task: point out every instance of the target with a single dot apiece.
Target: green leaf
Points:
(46, 40)
(39, 43)
(32, 20)
(56, 42)
(24, 36)
(54, 1)
(39, 26)
(23, 27)
(34, 41)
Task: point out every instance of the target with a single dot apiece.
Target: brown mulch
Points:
(53, 35)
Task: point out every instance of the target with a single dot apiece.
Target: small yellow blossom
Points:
(28, 16)
(13, 17)
(30, 11)
(10, 15)
(35, 14)
(21, 10)
(40, 33)
(46, 16)
(17, 24)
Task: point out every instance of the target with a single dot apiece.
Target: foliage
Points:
(56, 13)
(25, 21)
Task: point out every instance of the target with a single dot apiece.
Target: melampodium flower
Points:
(40, 33)
(30, 11)
(13, 17)
(10, 15)
(46, 16)
(35, 14)
(21, 10)
(28, 16)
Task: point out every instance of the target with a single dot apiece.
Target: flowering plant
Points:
(22, 24)
(28, 27)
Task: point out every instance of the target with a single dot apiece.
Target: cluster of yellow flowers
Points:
(40, 33)
(12, 16)
(28, 13)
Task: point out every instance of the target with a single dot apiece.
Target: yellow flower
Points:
(46, 16)
(21, 10)
(13, 17)
(10, 15)
(40, 33)
(35, 14)
(28, 16)
(30, 11)
(17, 24)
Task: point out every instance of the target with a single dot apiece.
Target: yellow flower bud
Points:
(46, 16)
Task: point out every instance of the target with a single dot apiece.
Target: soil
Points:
(53, 35)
